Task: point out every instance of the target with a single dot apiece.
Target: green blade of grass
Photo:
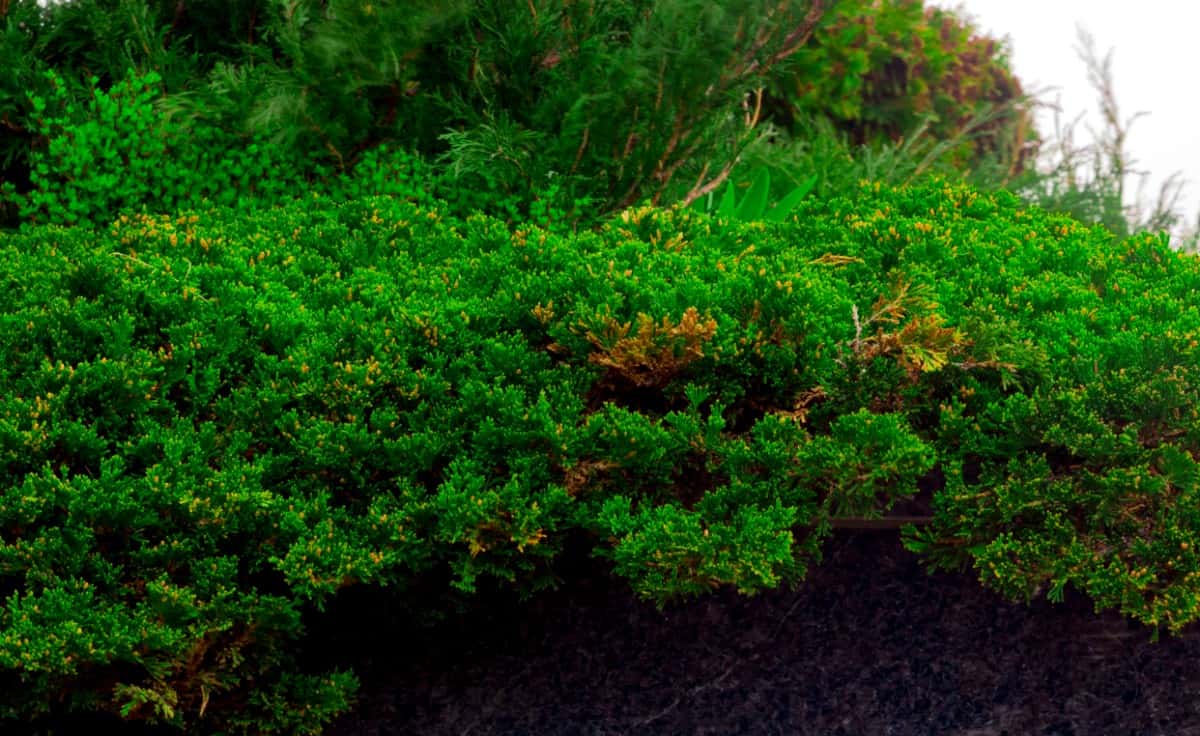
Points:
(780, 211)
(754, 204)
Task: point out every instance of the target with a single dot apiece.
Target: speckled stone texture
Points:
(869, 644)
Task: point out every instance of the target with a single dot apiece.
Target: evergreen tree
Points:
(623, 99)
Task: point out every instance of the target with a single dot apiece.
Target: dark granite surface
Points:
(869, 644)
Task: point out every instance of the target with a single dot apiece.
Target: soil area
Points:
(869, 644)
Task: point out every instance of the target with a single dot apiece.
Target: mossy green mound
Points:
(211, 424)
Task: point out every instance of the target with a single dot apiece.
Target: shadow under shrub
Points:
(214, 423)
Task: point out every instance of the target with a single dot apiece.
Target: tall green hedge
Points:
(211, 424)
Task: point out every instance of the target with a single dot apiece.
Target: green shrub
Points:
(879, 70)
(119, 154)
(213, 423)
(387, 171)
(530, 106)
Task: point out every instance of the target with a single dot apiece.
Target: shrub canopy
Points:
(213, 423)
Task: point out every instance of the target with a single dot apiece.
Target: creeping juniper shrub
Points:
(118, 154)
(215, 422)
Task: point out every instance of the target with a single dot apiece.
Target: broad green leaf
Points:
(780, 212)
(754, 204)
(728, 206)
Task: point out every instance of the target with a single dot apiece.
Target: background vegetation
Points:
(522, 108)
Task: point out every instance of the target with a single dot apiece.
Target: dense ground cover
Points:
(226, 429)
(216, 423)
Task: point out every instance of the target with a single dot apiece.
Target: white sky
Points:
(1153, 61)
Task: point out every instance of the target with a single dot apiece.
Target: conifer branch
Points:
(699, 190)
(582, 145)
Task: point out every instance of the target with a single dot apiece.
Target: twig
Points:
(692, 692)
(752, 120)
(797, 38)
(857, 329)
(582, 145)
(791, 44)
(138, 261)
(700, 191)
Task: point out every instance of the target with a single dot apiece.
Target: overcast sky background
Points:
(1153, 62)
